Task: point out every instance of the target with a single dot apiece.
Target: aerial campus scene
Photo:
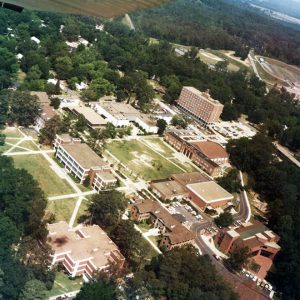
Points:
(149, 149)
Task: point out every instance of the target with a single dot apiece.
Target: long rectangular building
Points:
(80, 160)
(208, 156)
(200, 105)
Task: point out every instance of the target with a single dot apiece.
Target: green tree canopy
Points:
(107, 208)
(225, 219)
(98, 290)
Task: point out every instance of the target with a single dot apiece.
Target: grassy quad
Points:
(159, 145)
(143, 161)
(63, 284)
(39, 168)
(61, 209)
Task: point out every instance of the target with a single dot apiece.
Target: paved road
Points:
(284, 151)
(246, 288)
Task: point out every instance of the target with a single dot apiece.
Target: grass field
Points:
(186, 166)
(159, 145)
(61, 209)
(63, 284)
(39, 168)
(29, 145)
(82, 211)
(143, 161)
(12, 132)
(280, 70)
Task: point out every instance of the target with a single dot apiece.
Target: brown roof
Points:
(189, 178)
(180, 235)
(48, 112)
(43, 97)
(83, 243)
(211, 149)
(84, 155)
(147, 206)
(177, 232)
(169, 189)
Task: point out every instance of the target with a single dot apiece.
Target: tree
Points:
(130, 242)
(63, 67)
(238, 258)
(180, 120)
(107, 208)
(181, 274)
(34, 289)
(230, 112)
(162, 125)
(55, 102)
(230, 181)
(24, 108)
(81, 123)
(2, 139)
(225, 219)
(48, 133)
(98, 290)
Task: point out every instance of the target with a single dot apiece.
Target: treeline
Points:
(25, 255)
(220, 24)
(278, 183)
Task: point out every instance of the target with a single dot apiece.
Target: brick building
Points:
(200, 105)
(261, 242)
(205, 154)
(173, 232)
(84, 250)
(208, 194)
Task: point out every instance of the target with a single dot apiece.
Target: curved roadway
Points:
(246, 288)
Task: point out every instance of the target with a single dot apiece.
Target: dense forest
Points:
(277, 182)
(220, 24)
(25, 256)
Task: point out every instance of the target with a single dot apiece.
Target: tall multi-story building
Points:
(200, 105)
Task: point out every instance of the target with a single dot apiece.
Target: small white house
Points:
(35, 39)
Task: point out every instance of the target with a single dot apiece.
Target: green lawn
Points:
(5, 147)
(83, 210)
(63, 284)
(39, 168)
(159, 145)
(29, 145)
(186, 166)
(12, 132)
(61, 209)
(142, 160)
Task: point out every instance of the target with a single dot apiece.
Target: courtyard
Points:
(147, 158)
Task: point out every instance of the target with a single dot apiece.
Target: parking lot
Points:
(189, 215)
(263, 284)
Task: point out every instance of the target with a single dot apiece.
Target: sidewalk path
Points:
(82, 194)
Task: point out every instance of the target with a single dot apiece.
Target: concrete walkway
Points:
(29, 152)
(82, 194)
(146, 238)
